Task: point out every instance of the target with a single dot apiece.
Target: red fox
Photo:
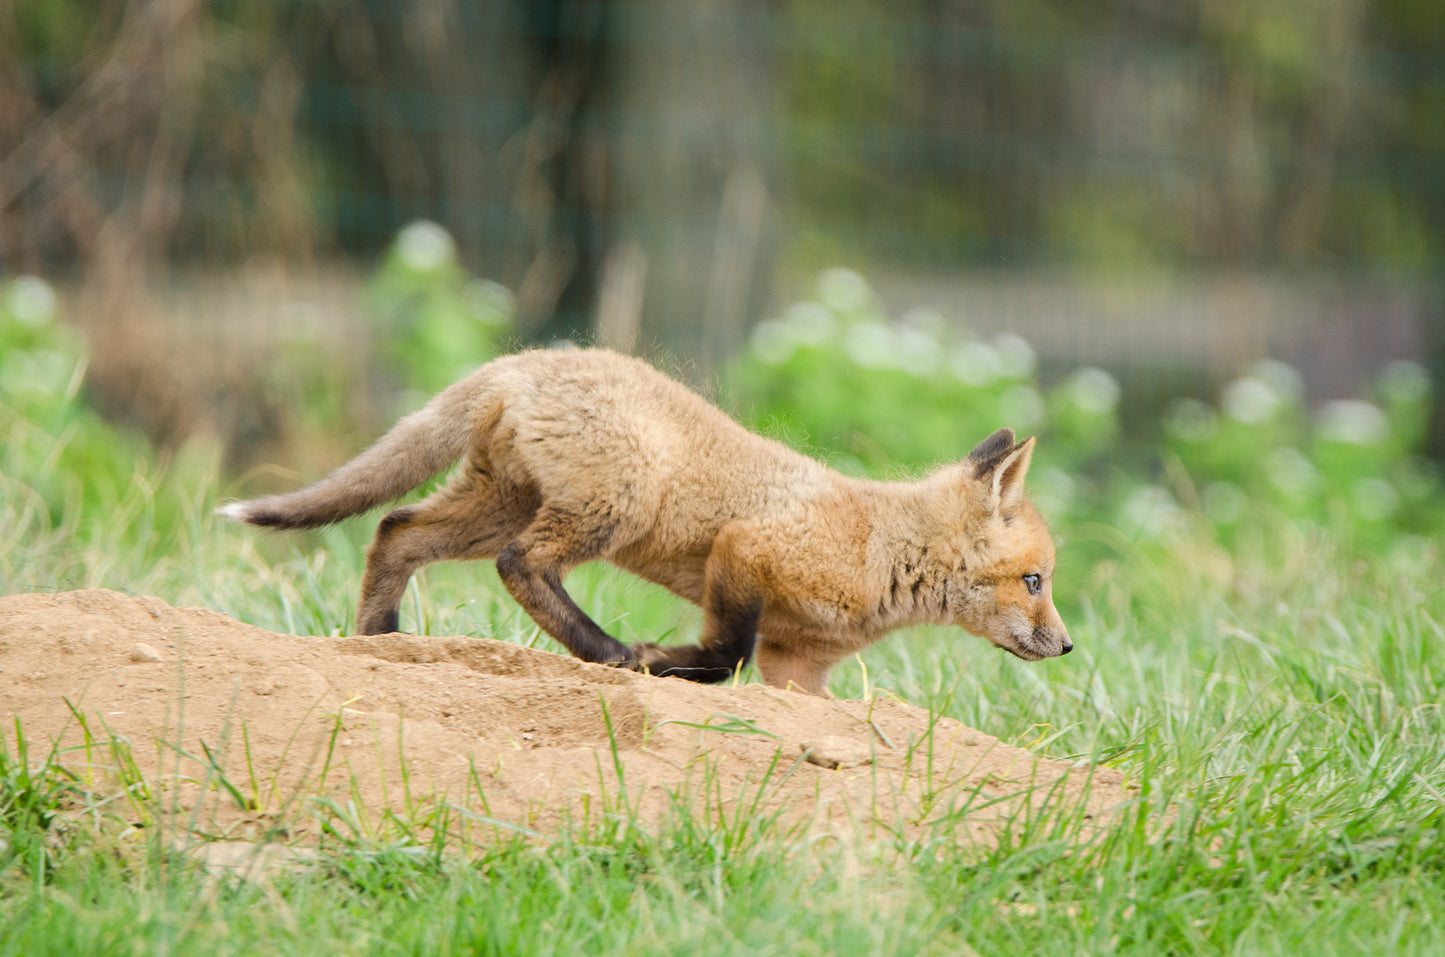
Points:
(572, 456)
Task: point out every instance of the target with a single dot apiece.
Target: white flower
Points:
(926, 320)
(1405, 381)
(1353, 422)
(918, 352)
(1093, 390)
(1016, 357)
(871, 345)
(1263, 394)
(771, 342)
(1250, 400)
(425, 247)
(31, 300)
(975, 363)
(1282, 378)
(844, 291)
(1291, 472)
(1191, 421)
(811, 324)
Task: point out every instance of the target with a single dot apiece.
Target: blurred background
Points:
(267, 219)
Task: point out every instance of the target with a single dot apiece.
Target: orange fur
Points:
(574, 456)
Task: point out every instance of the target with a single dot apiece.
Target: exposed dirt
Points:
(513, 735)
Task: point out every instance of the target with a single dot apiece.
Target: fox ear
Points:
(1005, 470)
(990, 451)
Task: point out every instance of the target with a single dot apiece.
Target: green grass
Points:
(1282, 692)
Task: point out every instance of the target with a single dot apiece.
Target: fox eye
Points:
(1033, 583)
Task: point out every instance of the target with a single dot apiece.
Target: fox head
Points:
(1008, 580)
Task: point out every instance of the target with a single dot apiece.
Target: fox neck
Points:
(927, 562)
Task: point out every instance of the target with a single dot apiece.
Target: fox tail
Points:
(412, 451)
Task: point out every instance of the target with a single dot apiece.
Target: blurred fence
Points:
(1175, 186)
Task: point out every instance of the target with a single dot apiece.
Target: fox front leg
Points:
(795, 666)
(732, 605)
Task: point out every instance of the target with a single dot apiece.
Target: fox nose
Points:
(1068, 646)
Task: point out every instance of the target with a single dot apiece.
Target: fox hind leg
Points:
(469, 519)
(532, 566)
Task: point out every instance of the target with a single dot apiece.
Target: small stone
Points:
(833, 752)
(144, 654)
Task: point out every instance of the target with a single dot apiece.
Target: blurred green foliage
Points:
(438, 323)
(834, 376)
(64, 466)
(1354, 463)
(61, 463)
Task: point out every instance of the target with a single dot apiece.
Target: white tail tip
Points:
(235, 511)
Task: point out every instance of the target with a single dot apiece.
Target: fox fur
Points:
(572, 456)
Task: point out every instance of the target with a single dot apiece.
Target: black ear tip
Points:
(992, 450)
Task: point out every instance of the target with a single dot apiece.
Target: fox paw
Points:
(692, 662)
(648, 657)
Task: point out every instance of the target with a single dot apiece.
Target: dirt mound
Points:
(240, 727)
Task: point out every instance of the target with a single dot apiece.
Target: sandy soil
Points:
(513, 735)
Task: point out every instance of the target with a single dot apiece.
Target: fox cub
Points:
(571, 456)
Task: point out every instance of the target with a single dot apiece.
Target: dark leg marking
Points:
(539, 591)
(730, 634)
(387, 623)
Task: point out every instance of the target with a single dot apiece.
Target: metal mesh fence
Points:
(1166, 186)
